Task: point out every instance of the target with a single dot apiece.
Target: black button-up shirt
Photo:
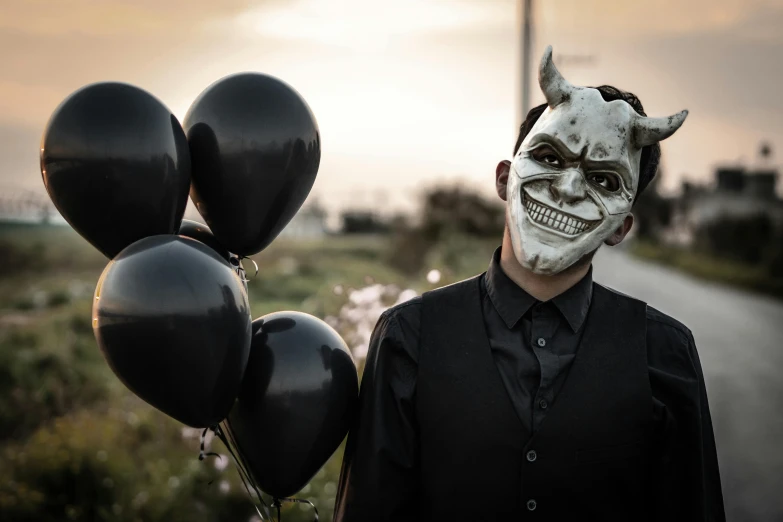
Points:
(533, 345)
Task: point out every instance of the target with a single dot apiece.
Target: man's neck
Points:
(542, 287)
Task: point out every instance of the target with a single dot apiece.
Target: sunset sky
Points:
(410, 92)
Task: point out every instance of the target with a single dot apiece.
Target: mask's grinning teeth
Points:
(554, 219)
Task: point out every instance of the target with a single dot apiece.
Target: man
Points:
(530, 392)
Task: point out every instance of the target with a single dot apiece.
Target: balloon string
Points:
(230, 432)
(251, 481)
(252, 261)
(241, 456)
(241, 466)
(244, 476)
(202, 454)
(243, 460)
(295, 500)
(228, 440)
(240, 271)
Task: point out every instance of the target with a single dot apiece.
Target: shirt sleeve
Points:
(687, 479)
(379, 478)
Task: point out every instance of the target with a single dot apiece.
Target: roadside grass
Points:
(709, 268)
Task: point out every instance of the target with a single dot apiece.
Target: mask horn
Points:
(556, 89)
(647, 131)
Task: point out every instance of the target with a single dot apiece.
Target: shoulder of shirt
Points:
(402, 321)
(411, 306)
(661, 325)
(670, 347)
(659, 320)
(656, 318)
(397, 331)
(617, 292)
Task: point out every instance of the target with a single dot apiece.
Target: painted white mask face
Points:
(575, 176)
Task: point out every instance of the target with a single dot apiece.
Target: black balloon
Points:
(297, 401)
(116, 164)
(256, 149)
(173, 322)
(201, 232)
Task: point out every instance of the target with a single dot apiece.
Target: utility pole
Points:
(525, 11)
(525, 8)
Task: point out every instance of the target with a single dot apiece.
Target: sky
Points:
(410, 93)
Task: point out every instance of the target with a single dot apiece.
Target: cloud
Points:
(19, 157)
(406, 90)
(730, 72)
(618, 19)
(364, 24)
(45, 18)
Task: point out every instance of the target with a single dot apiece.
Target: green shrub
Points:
(93, 466)
(59, 298)
(46, 371)
(24, 304)
(742, 239)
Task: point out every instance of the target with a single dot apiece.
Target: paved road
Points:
(740, 341)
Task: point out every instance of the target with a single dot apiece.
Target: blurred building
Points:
(738, 192)
(26, 206)
(308, 223)
(363, 222)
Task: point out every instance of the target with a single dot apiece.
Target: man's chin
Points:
(544, 260)
(541, 265)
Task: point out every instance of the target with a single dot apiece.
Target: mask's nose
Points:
(569, 187)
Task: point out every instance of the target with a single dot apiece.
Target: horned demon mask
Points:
(575, 176)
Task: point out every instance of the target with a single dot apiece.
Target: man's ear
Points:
(621, 232)
(501, 178)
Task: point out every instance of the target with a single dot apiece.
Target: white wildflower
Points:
(221, 462)
(358, 316)
(406, 295)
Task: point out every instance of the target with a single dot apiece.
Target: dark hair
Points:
(651, 154)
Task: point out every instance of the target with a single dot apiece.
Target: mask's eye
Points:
(606, 180)
(547, 156)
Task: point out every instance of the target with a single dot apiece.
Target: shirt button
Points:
(531, 505)
(541, 342)
(531, 456)
(543, 404)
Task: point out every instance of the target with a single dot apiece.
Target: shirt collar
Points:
(512, 302)
(574, 303)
